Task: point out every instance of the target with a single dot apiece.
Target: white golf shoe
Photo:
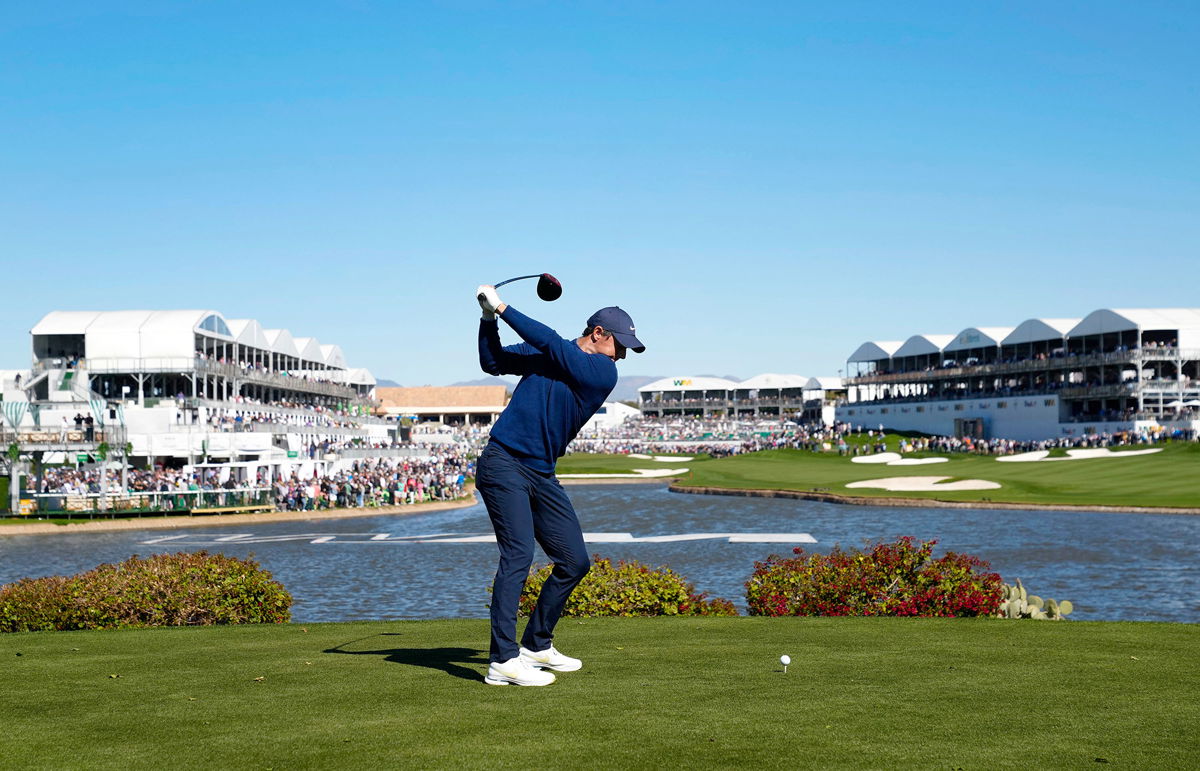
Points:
(550, 659)
(516, 672)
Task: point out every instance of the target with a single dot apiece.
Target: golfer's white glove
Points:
(489, 300)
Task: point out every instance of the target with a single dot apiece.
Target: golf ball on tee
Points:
(785, 659)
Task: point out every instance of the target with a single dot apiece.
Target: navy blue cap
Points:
(620, 324)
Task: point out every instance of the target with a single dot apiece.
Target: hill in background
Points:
(625, 391)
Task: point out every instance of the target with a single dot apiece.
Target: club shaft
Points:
(518, 278)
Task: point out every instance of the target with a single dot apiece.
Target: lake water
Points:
(1111, 566)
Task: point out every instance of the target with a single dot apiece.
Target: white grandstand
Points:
(186, 387)
(766, 395)
(1111, 371)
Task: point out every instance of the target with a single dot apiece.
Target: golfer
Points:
(563, 383)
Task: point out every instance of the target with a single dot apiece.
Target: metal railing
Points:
(1031, 366)
(71, 439)
(185, 364)
(119, 503)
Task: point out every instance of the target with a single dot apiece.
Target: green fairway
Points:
(1169, 479)
(654, 693)
(599, 463)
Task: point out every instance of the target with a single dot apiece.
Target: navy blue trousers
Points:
(527, 507)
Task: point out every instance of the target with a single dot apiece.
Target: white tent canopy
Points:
(770, 380)
(978, 337)
(64, 323)
(281, 342)
(823, 383)
(334, 358)
(877, 350)
(689, 384)
(249, 333)
(310, 350)
(1039, 330)
(921, 345)
(1184, 321)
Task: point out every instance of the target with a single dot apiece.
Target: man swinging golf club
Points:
(563, 383)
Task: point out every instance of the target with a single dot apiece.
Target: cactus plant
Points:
(1018, 603)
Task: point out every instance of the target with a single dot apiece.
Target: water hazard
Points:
(435, 565)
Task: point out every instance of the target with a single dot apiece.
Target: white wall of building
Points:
(1019, 418)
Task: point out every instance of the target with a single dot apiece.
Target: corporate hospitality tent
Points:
(873, 356)
(920, 352)
(1104, 329)
(334, 358)
(976, 345)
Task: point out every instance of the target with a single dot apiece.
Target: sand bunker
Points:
(638, 473)
(638, 455)
(1081, 454)
(665, 459)
(925, 484)
(894, 459)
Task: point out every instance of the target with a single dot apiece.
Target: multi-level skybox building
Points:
(188, 385)
(769, 395)
(1114, 370)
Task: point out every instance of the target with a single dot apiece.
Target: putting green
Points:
(1169, 479)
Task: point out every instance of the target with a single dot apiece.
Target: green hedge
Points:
(628, 589)
(185, 589)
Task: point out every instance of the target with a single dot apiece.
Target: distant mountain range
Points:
(626, 390)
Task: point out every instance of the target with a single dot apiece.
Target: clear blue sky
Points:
(762, 185)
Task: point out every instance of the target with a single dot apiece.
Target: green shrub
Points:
(185, 589)
(628, 589)
(889, 579)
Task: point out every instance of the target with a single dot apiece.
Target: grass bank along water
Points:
(658, 692)
(34, 527)
(1163, 482)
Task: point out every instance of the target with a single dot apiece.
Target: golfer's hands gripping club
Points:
(489, 301)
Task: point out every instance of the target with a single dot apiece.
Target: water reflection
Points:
(1111, 566)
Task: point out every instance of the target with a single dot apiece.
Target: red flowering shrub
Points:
(628, 589)
(888, 579)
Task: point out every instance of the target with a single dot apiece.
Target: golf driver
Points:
(548, 287)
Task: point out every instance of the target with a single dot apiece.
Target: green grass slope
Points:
(1170, 478)
(665, 692)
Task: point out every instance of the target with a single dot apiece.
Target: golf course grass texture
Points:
(1167, 479)
(654, 693)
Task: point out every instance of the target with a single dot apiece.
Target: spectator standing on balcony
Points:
(563, 383)
(90, 428)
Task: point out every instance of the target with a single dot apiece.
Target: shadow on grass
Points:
(448, 660)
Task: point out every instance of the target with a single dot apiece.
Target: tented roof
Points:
(1121, 319)
(1036, 330)
(875, 350)
(978, 337)
(824, 383)
(310, 349)
(920, 345)
(64, 323)
(334, 357)
(250, 333)
(689, 384)
(281, 342)
(770, 380)
(357, 376)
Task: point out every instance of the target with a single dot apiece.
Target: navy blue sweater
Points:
(561, 387)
